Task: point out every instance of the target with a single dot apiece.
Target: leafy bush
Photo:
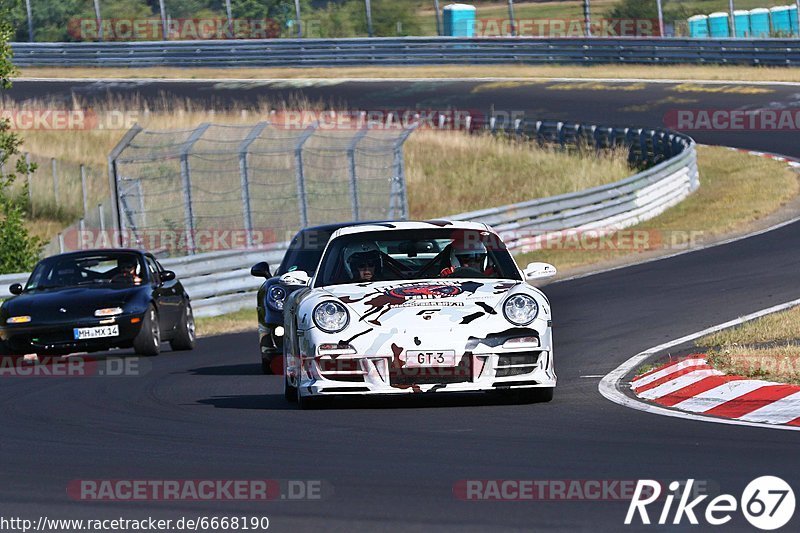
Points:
(19, 251)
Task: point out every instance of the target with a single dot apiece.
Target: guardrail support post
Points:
(247, 213)
(300, 174)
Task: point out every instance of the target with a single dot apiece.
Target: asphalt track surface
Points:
(393, 465)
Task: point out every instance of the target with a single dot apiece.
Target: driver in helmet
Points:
(471, 255)
(128, 270)
(364, 261)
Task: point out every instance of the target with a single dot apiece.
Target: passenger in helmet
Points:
(467, 254)
(364, 261)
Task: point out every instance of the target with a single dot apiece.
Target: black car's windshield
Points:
(90, 268)
(415, 255)
(305, 251)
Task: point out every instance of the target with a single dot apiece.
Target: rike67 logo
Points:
(767, 503)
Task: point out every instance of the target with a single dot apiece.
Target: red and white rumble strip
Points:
(693, 385)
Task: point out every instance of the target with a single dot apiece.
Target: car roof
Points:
(330, 228)
(100, 251)
(398, 225)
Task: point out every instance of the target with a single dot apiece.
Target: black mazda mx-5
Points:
(97, 300)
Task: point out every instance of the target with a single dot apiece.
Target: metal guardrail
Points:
(408, 51)
(608, 207)
(220, 282)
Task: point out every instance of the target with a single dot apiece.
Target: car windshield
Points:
(305, 251)
(96, 268)
(415, 255)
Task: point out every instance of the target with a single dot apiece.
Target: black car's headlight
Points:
(520, 309)
(276, 297)
(331, 317)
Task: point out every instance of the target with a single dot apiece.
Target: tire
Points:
(289, 391)
(308, 402)
(148, 340)
(185, 333)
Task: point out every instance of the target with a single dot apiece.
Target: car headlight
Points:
(520, 309)
(108, 311)
(331, 317)
(276, 297)
(18, 319)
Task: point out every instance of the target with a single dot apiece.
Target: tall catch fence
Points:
(217, 186)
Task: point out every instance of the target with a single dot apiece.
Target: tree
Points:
(646, 9)
(19, 251)
(389, 18)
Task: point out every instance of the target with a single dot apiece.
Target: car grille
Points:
(516, 364)
(341, 369)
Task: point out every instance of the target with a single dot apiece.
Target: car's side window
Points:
(154, 270)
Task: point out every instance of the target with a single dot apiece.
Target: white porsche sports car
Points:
(408, 307)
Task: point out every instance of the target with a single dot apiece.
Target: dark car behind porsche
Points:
(304, 253)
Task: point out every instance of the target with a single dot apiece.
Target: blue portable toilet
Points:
(459, 20)
(759, 22)
(718, 25)
(793, 20)
(779, 16)
(741, 19)
(698, 26)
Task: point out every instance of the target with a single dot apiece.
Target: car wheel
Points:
(289, 391)
(308, 402)
(148, 340)
(185, 334)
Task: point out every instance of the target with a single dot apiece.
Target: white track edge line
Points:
(611, 387)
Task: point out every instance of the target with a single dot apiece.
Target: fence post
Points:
(102, 216)
(186, 180)
(28, 174)
(301, 179)
(81, 232)
(83, 191)
(247, 213)
(400, 169)
(55, 179)
(113, 189)
(61, 243)
(351, 168)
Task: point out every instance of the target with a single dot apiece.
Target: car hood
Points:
(381, 303)
(77, 301)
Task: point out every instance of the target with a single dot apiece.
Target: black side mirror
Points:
(16, 288)
(167, 275)
(261, 270)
